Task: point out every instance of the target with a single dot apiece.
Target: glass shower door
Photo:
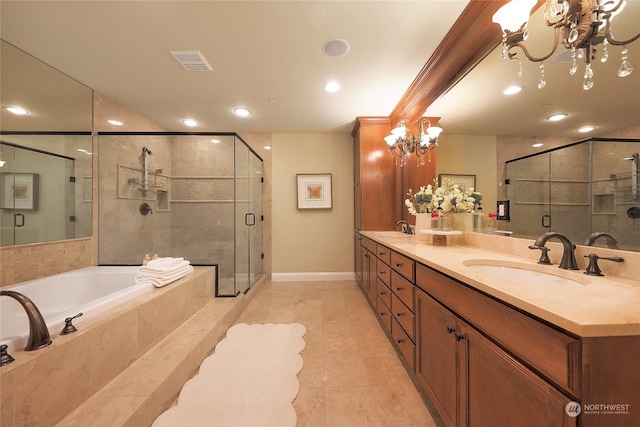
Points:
(528, 191)
(248, 217)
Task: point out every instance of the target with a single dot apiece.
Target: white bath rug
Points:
(250, 380)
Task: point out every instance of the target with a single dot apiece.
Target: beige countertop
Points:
(600, 306)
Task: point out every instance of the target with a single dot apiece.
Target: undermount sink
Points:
(521, 272)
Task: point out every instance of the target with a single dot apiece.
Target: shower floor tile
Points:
(351, 376)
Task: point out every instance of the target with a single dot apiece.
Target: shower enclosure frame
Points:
(206, 197)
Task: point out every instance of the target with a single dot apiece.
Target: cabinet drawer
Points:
(383, 271)
(404, 316)
(369, 244)
(383, 253)
(406, 346)
(404, 289)
(384, 293)
(385, 314)
(403, 265)
(551, 352)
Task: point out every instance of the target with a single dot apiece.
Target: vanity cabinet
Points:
(473, 381)
(484, 361)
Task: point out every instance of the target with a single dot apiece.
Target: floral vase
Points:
(462, 222)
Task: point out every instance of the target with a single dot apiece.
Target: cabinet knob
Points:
(399, 314)
(383, 293)
(459, 337)
(450, 329)
(398, 264)
(383, 313)
(382, 272)
(400, 341)
(381, 253)
(399, 288)
(366, 255)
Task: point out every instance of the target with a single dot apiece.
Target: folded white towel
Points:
(160, 280)
(162, 268)
(165, 262)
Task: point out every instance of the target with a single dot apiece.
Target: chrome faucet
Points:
(612, 243)
(406, 228)
(568, 261)
(38, 332)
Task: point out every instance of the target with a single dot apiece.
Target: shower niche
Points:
(204, 191)
(585, 187)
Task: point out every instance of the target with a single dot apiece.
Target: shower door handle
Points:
(547, 223)
(15, 220)
(250, 219)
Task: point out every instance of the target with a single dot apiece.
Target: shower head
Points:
(632, 158)
(146, 150)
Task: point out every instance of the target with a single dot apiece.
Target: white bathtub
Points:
(88, 290)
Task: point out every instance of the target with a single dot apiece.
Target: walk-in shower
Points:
(578, 189)
(205, 192)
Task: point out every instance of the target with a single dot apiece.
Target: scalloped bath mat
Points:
(250, 380)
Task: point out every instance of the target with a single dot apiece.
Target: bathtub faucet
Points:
(38, 332)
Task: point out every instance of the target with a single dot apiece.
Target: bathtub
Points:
(90, 290)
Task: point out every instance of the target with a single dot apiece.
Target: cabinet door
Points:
(497, 390)
(436, 358)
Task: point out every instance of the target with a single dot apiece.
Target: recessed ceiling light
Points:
(586, 129)
(17, 110)
(190, 122)
(115, 122)
(511, 90)
(332, 87)
(336, 48)
(557, 117)
(537, 144)
(215, 141)
(242, 112)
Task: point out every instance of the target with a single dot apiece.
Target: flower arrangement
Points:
(449, 197)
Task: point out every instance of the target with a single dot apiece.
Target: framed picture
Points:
(464, 181)
(314, 191)
(19, 191)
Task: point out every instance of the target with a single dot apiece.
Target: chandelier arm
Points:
(612, 41)
(542, 58)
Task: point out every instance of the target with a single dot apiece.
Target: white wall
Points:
(312, 241)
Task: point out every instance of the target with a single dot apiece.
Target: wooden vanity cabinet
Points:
(471, 380)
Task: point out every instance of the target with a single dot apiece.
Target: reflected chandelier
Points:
(580, 24)
(401, 144)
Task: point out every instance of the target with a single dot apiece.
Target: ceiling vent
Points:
(192, 60)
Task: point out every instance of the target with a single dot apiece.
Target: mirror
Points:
(45, 155)
(476, 108)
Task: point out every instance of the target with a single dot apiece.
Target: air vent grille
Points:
(192, 60)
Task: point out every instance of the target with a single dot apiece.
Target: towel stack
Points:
(162, 271)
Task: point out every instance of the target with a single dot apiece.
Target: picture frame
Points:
(19, 191)
(314, 191)
(464, 181)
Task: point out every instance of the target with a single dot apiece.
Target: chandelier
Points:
(401, 144)
(580, 24)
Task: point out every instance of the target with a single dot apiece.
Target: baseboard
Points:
(313, 277)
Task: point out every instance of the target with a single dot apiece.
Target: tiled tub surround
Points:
(42, 387)
(607, 306)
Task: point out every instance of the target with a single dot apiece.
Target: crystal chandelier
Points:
(580, 24)
(401, 144)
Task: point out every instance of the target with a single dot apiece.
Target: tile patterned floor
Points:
(351, 377)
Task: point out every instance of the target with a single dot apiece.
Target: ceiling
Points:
(268, 56)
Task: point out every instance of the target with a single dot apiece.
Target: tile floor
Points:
(352, 376)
